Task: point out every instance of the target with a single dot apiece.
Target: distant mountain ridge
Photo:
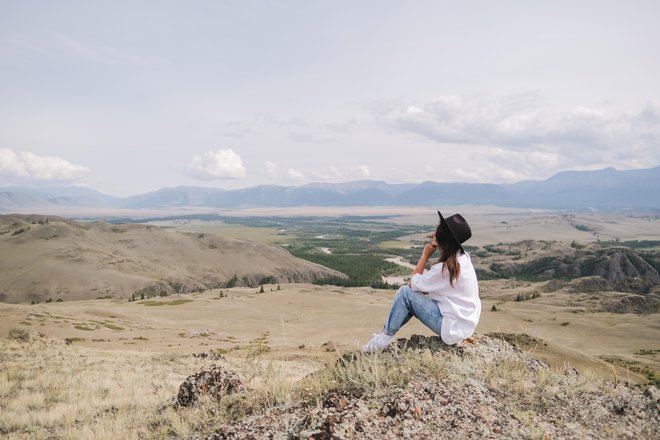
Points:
(601, 189)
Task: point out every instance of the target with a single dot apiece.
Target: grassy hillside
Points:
(50, 258)
(419, 389)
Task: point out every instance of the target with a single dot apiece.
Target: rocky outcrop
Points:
(589, 284)
(642, 304)
(624, 269)
(214, 382)
(462, 404)
(612, 268)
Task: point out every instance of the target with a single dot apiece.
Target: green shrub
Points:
(111, 326)
(362, 270)
(19, 334)
(526, 296)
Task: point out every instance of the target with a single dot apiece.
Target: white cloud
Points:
(414, 110)
(523, 121)
(526, 137)
(333, 173)
(275, 172)
(219, 164)
(294, 175)
(502, 165)
(363, 170)
(272, 170)
(24, 165)
(338, 173)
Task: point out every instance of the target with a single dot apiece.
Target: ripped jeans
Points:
(408, 303)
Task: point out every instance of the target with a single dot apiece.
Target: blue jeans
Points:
(408, 303)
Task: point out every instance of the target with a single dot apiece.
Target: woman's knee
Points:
(405, 291)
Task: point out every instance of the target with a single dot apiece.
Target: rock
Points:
(420, 342)
(653, 392)
(553, 285)
(642, 304)
(215, 382)
(472, 401)
(210, 355)
(589, 284)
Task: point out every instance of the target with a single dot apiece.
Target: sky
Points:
(128, 97)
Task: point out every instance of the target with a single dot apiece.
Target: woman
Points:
(446, 297)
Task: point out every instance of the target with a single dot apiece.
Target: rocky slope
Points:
(620, 268)
(53, 258)
(582, 268)
(485, 388)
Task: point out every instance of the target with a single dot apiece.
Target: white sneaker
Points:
(379, 342)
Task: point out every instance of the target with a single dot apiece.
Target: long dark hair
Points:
(449, 249)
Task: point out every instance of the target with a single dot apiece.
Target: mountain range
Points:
(601, 189)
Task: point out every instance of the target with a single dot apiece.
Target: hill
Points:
(577, 190)
(421, 388)
(580, 268)
(483, 388)
(54, 258)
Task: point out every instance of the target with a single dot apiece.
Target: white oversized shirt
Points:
(460, 305)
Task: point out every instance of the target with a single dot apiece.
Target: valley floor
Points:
(304, 321)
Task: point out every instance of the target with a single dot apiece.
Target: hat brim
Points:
(448, 228)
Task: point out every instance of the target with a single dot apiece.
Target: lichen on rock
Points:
(215, 382)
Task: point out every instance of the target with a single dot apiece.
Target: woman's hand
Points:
(428, 250)
(431, 247)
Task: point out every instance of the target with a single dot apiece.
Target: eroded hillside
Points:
(579, 268)
(50, 258)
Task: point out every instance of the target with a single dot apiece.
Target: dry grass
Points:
(262, 235)
(51, 390)
(323, 317)
(379, 374)
(271, 386)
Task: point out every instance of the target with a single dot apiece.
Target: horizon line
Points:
(46, 186)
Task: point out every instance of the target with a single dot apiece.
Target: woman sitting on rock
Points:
(446, 297)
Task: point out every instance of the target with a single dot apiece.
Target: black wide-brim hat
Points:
(457, 226)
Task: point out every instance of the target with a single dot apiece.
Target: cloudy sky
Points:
(131, 96)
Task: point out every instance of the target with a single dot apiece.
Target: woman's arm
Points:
(428, 250)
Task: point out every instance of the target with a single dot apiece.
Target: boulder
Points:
(215, 382)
